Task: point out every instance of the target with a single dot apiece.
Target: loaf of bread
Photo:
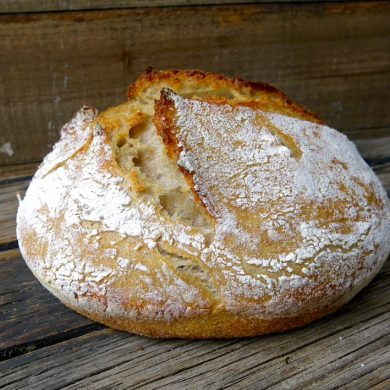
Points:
(203, 207)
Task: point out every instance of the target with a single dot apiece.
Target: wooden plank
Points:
(332, 57)
(19, 6)
(374, 150)
(8, 254)
(14, 179)
(375, 380)
(341, 360)
(384, 176)
(368, 371)
(11, 172)
(351, 345)
(8, 207)
(29, 315)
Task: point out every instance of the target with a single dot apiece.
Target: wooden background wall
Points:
(333, 57)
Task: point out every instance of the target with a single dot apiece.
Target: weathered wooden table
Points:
(45, 345)
(56, 55)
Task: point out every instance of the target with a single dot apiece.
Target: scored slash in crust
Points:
(164, 120)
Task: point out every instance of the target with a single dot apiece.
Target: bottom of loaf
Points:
(215, 325)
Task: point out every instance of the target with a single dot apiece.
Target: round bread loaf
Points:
(221, 209)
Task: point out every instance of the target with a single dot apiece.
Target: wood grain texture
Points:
(332, 57)
(383, 173)
(29, 314)
(10, 172)
(349, 347)
(9, 205)
(19, 6)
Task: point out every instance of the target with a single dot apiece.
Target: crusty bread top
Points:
(291, 217)
(235, 91)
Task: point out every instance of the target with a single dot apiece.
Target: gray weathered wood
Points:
(332, 57)
(374, 150)
(384, 176)
(29, 314)
(19, 6)
(352, 344)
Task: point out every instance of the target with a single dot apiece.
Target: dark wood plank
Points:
(383, 173)
(374, 150)
(11, 172)
(19, 6)
(8, 206)
(8, 254)
(30, 316)
(14, 180)
(352, 344)
(332, 57)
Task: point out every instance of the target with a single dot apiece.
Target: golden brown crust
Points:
(233, 90)
(110, 225)
(164, 121)
(216, 325)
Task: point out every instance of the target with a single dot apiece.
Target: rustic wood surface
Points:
(22, 6)
(9, 204)
(28, 314)
(332, 57)
(44, 345)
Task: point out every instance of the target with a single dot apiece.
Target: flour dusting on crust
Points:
(295, 208)
(293, 200)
